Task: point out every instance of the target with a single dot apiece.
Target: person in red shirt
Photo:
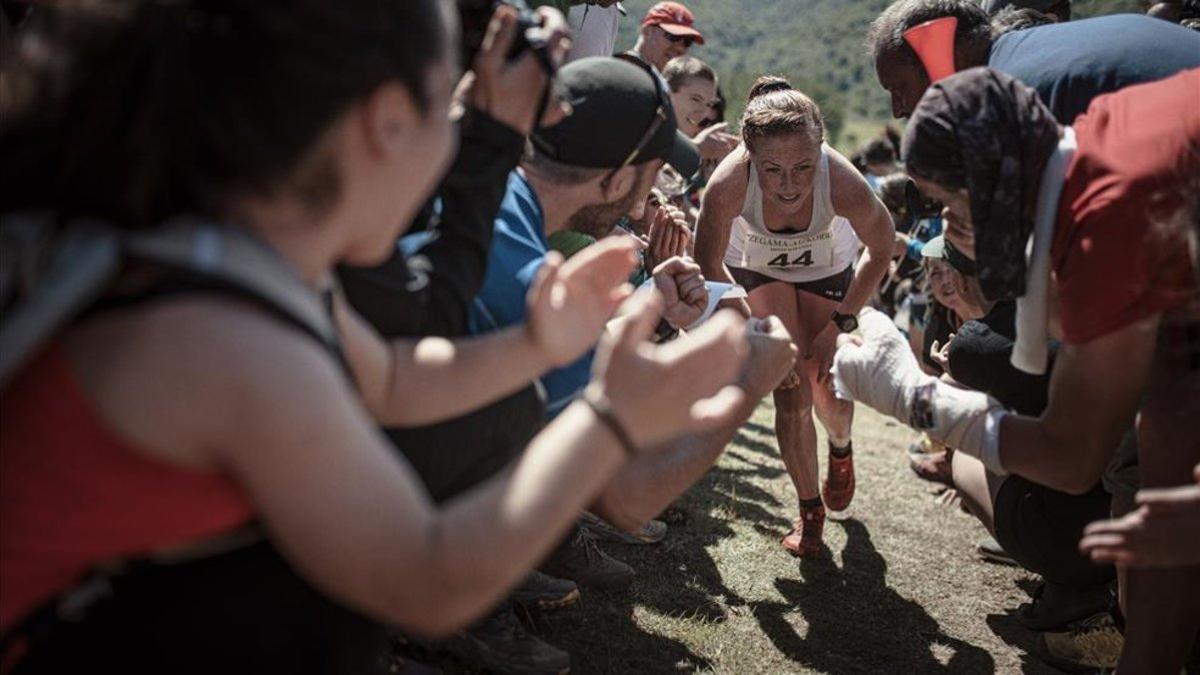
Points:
(1117, 274)
(667, 31)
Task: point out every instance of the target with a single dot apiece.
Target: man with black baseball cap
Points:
(622, 116)
(584, 174)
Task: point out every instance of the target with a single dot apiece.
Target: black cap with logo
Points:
(621, 116)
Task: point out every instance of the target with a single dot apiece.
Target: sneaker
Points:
(500, 643)
(804, 541)
(580, 559)
(544, 592)
(990, 550)
(838, 489)
(934, 467)
(1054, 606)
(651, 533)
(1092, 644)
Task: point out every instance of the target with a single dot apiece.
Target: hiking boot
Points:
(650, 533)
(500, 643)
(805, 538)
(934, 467)
(1054, 606)
(990, 550)
(1092, 644)
(544, 592)
(580, 559)
(838, 488)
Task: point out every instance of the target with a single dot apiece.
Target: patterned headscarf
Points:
(982, 130)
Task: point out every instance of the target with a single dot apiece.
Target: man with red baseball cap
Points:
(667, 32)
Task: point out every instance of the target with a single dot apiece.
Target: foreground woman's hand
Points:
(570, 302)
(1164, 531)
(661, 392)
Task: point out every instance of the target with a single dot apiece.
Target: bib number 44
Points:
(803, 259)
(782, 254)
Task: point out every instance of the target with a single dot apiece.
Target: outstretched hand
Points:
(715, 142)
(659, 392)
(669, 235)
(1164, 530)
(940, 353)
(570, 302)
(685, 295)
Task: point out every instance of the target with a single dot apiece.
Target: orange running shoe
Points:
(804, 541)
(838, 489)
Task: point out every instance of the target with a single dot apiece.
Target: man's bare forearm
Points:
(647, 485)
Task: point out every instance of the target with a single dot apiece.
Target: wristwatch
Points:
(665, 332)
(846, 323)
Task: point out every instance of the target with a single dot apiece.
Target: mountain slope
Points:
(818, 44)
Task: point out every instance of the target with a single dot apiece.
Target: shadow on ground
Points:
(678, 578)
(846, 619)
(719, 595)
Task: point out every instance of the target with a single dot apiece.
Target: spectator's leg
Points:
(977, 487)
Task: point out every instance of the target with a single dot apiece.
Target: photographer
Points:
(426, 288)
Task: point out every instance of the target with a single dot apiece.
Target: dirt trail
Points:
(901, 589)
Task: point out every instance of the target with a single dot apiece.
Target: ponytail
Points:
(775, 108)
(767, 84)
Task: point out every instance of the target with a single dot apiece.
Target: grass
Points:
(900, 589)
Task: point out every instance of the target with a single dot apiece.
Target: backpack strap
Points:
(70, 266)
(53, 273)
(233, 260)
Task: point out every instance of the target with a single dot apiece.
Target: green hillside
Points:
(817, 44)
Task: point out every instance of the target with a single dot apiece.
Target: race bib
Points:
(766, 253)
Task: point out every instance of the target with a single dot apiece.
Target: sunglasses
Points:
(687, 40)
(660, 118)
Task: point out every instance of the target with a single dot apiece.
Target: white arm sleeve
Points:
(884, 374)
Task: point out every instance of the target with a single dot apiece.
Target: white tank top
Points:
(827, 247)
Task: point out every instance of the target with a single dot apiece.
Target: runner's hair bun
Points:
(776, 108)
(767, 84)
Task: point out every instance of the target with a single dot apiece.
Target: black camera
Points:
(474, 16)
